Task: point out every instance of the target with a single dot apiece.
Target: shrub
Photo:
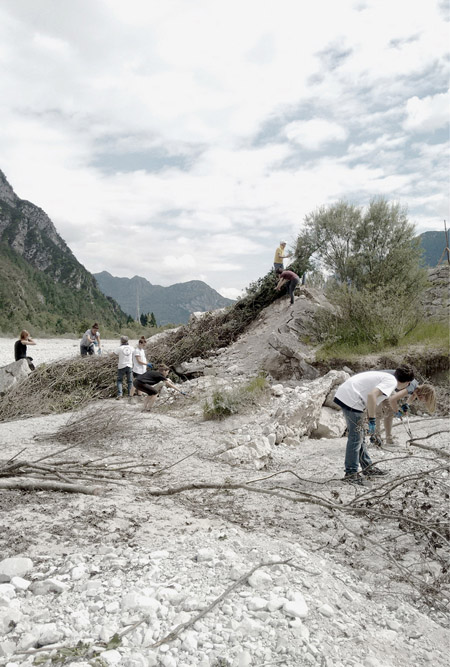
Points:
(226, 402)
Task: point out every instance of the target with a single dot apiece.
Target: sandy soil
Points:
(369, 581)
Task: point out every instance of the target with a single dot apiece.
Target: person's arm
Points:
(139, 360)
(281, 282)
(99, 342)
(30, 341)
(372, 402)
(396, 397)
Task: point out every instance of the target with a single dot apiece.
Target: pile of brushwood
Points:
(70, 384)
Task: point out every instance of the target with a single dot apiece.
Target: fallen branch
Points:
(440, 452)
(37, 485)
(183, 626)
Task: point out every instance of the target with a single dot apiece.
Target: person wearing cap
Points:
(279, 256)
(124, 365)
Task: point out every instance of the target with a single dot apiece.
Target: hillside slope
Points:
(170, 305)
(433, 244)
(42, 283)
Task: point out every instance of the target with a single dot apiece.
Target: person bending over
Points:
(387, 410)
(290, 279)
(152, 382)
(360, 392)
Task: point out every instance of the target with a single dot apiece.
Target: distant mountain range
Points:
(433, 244)
(42, 284)
(170, 305)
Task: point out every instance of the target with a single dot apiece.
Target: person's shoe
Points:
(392, 441)
(372, 471)
(353, 478)
(119, 397)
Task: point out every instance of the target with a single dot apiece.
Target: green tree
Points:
(152, 320)
(143, 319)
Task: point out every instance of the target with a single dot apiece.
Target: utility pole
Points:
(138, 309)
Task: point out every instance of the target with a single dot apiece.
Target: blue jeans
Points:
(120, 373)
(356, 451)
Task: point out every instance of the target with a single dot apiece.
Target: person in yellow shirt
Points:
(279, 256)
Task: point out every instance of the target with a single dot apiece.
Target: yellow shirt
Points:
(278, 255)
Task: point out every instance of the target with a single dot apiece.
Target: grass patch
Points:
(428, 333)
(226, 402)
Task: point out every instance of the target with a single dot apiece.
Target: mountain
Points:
(42, 284)
(170, 305)
(433, 244)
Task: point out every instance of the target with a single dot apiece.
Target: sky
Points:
(182, 140)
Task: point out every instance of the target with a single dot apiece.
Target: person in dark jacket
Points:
(20, 348)
(151, 384)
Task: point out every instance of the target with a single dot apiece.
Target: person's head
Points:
(163, 369)
(282, 244)
(426, 394)
(24, 334)
(142, 341)
(279, 272)
(124, 340)
(404, 375)
(94, 327)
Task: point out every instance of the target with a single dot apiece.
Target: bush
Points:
(226, 402)
(366, 320)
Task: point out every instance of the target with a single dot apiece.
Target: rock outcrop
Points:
(11, 374)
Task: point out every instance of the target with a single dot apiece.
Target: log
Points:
(37, 485)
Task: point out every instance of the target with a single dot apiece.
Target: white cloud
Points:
(314, 134)
(203, 81)
(427, 114)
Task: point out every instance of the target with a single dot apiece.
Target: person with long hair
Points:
(20, 348)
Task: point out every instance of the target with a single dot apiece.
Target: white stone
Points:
(168, 661)
(271, 438)
(78, 572)
(7, 647)
(14, 567)
(205, 555)
(11, 374)
(330, 424)
(256, 604)
(48, 586)
(9, 617)
(49, 634)
(8, 591)
(277, 390)
(260, 580)
(181, 617)
(138, 601)
(20, 584)
(111, 657)
(296, 607)
(243, 659)
(326, 610)
(190, 642)
(157, 555)
(275, 603)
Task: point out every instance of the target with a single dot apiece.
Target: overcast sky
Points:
(182, 139)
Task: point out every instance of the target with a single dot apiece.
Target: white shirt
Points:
(354, 391)
(125, 353)
(137, 367)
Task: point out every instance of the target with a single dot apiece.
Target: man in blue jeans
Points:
(358, 393)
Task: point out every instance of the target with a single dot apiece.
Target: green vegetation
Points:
(377, 276)
(31, 299)
(226, 402)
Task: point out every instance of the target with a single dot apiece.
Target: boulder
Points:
(303, 411)
(331, 424)
(13, 373)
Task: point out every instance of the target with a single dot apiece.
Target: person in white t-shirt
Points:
(124, 365)
(358, 393)
(140, 364)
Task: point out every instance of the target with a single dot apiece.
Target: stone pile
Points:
(115, 603)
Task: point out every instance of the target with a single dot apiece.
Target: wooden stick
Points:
(183, 626)
(37, 485)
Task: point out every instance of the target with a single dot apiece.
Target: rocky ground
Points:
(127, 577)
